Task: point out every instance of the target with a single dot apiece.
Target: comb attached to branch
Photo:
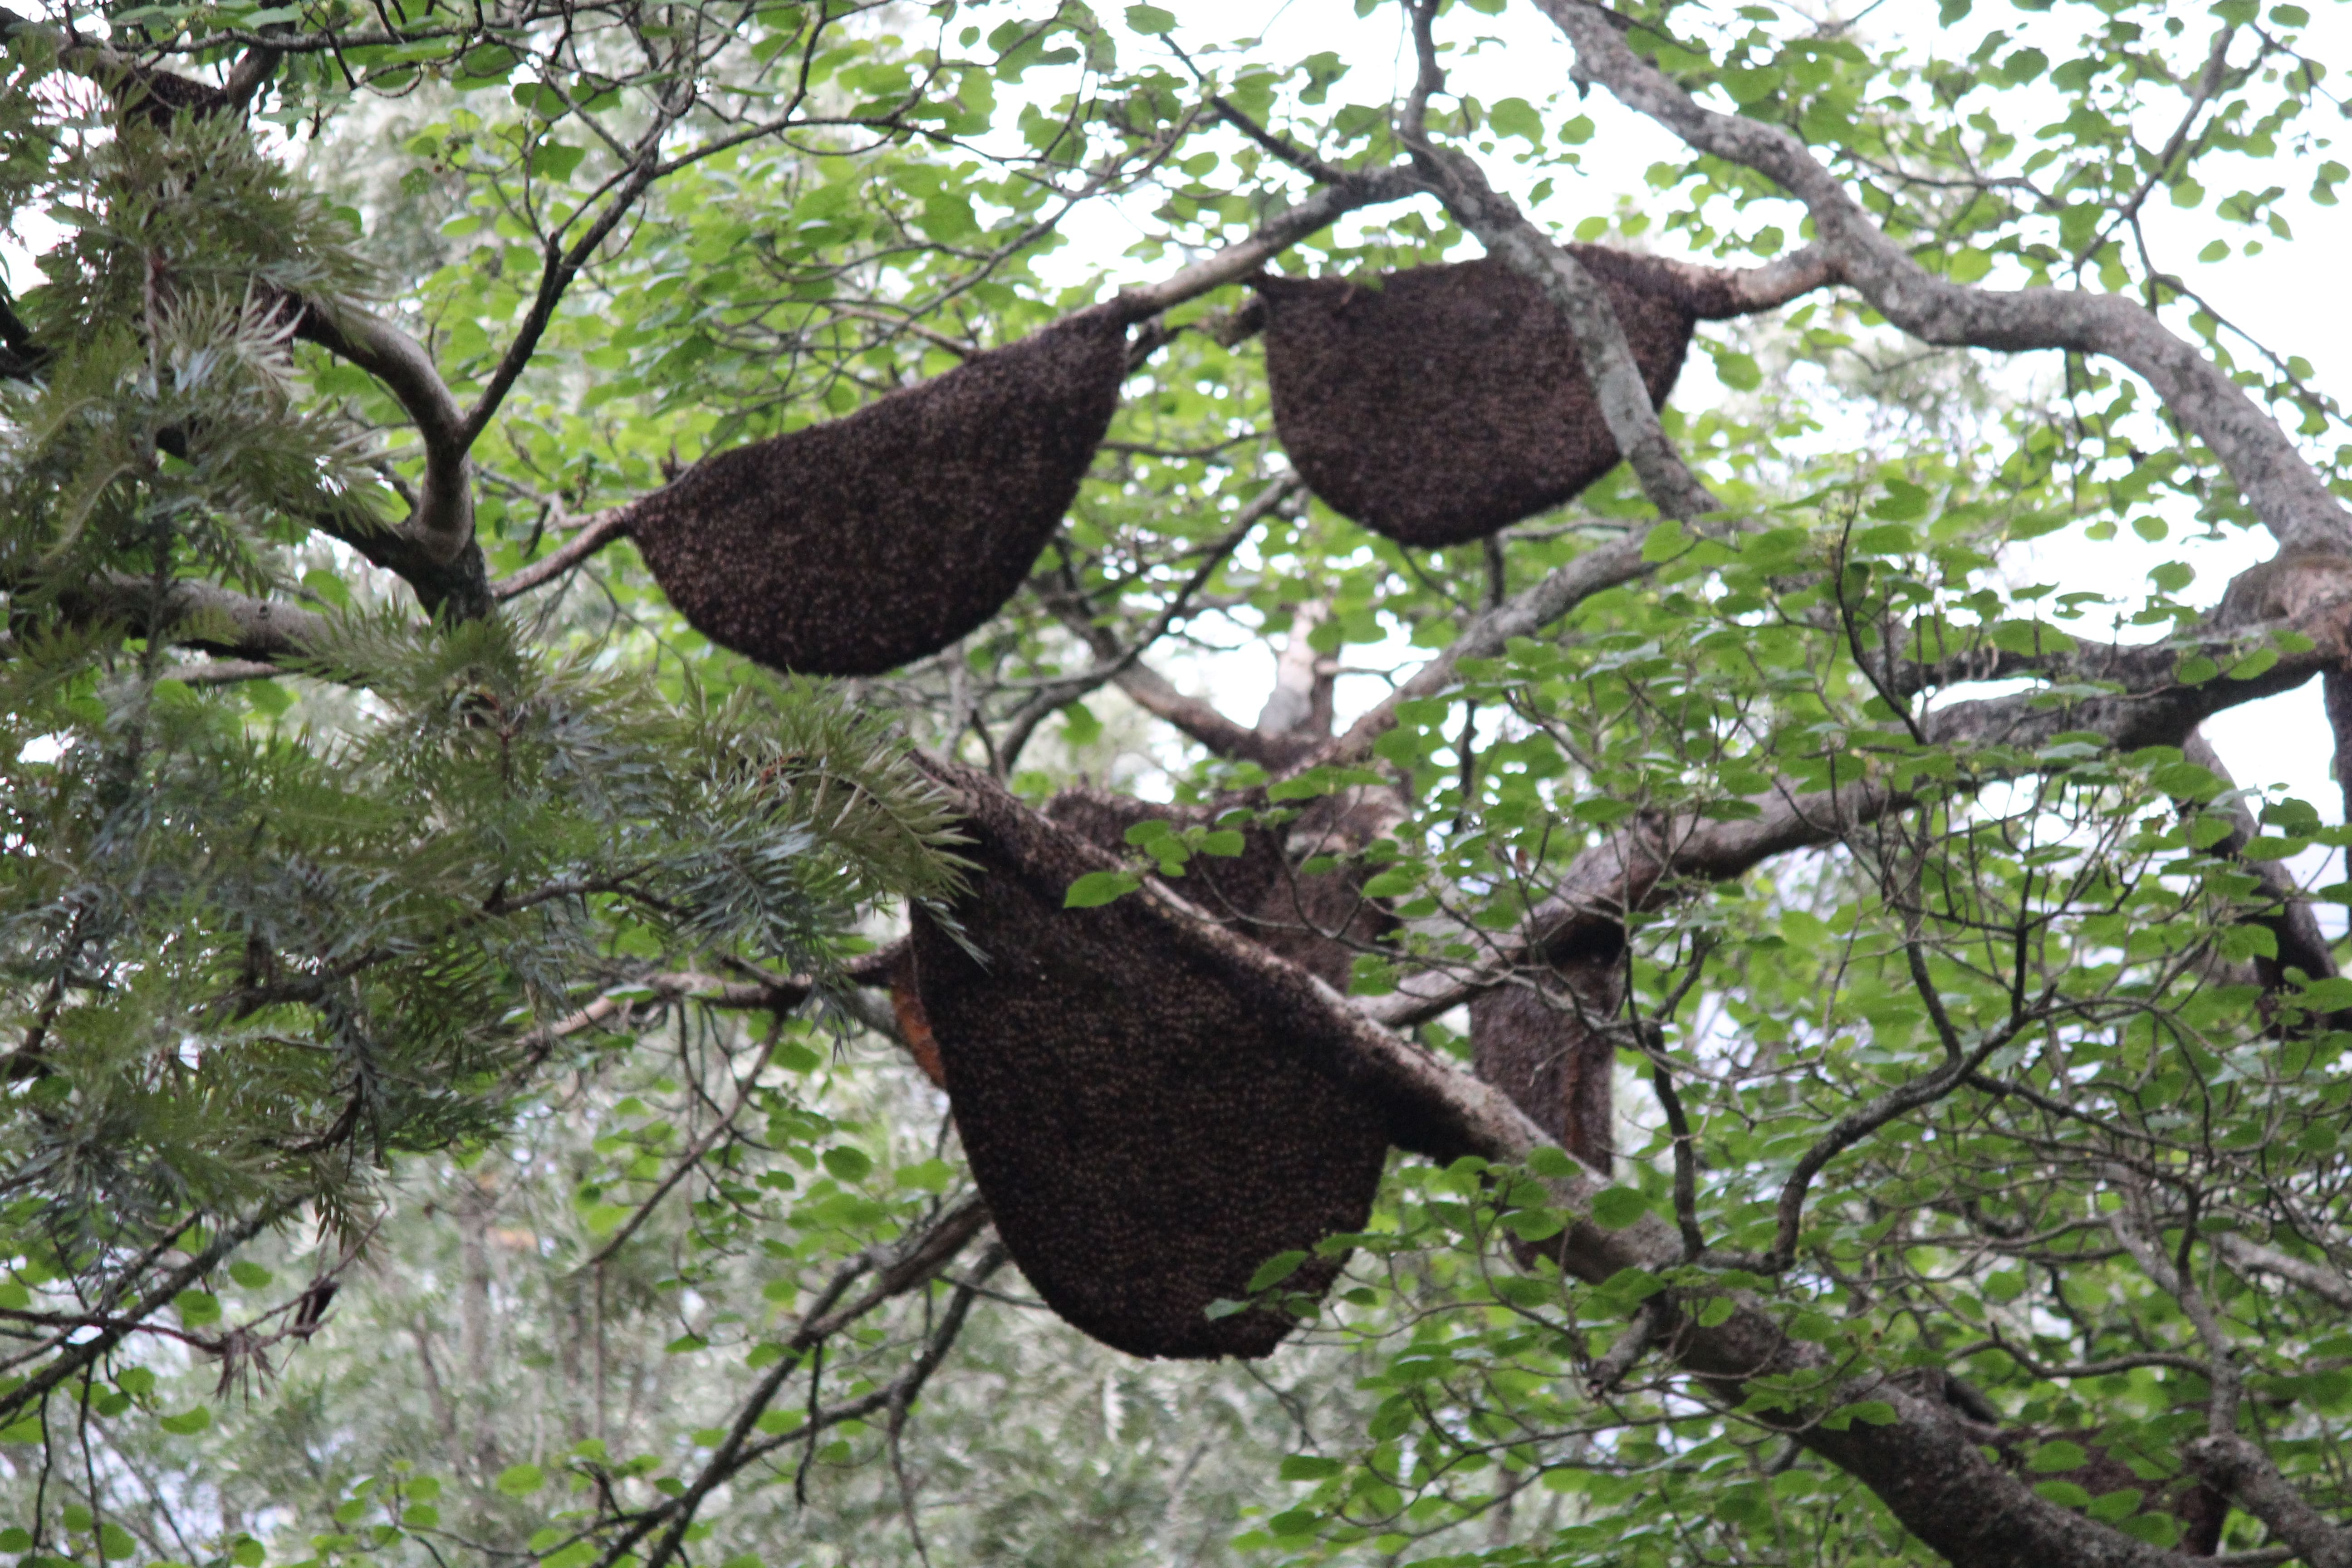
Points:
(1149, 1121)
(855, 546)
(1438, 405)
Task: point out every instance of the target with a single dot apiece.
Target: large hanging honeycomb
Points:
(1148, 1120)
(852, 547)
(1318, 921)
(1440, 403)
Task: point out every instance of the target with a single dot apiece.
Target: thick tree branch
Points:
(434, 551)
(223, 623)
(1637, 867)
(1926, 1463)
(1300, 702)
(2285, 492)
(2244, 1253)
(1200, 718)
(2236, 1468)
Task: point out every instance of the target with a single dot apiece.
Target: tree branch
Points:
(2242, 1472)
(1273, 237)
(1597, 570)
(913, 1264)
(2326, 1283)
(2291, 499)
(1926, 1463)
(434, 551)
(1108, 668)
(1609, 365)
(594, 534)
(197, 615)
(2145, 705)
(2287, 915)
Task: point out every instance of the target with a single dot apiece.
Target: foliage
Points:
(421, 1145)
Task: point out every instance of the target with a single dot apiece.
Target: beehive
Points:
(1440, 403)
(1320, 923)
(1543, 1039)
(1149, 1121)
(1555, 1063)
(852, 547)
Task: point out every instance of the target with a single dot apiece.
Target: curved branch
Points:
(1503, 230)
(2322, 1281)
(594, 534)
(2285, 493)
(1276, 235)
(2145, 705)
(1056, 693)
(440, 529)
(1611, 565)
(221, 622)
(2236, 1468)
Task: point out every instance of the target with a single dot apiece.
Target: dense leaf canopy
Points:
(1876, 1085)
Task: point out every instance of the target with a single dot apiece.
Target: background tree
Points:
(454, 1109)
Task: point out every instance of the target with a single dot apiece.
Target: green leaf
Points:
(1274, 1270)
(2049, 1459)
(2332, 994)
(848, 1164)
(1150, 20)
(2260, 662)
(1310, 1467)
(1737, 371)
(1079, 725)
(1614, 1209)
(1903, 502)
(520, 1481)
(188, 1422)
(1099, 888)
(1664, 540)
(1516, 117)
(1552, 1163)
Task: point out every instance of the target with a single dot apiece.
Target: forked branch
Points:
(2291, 500)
